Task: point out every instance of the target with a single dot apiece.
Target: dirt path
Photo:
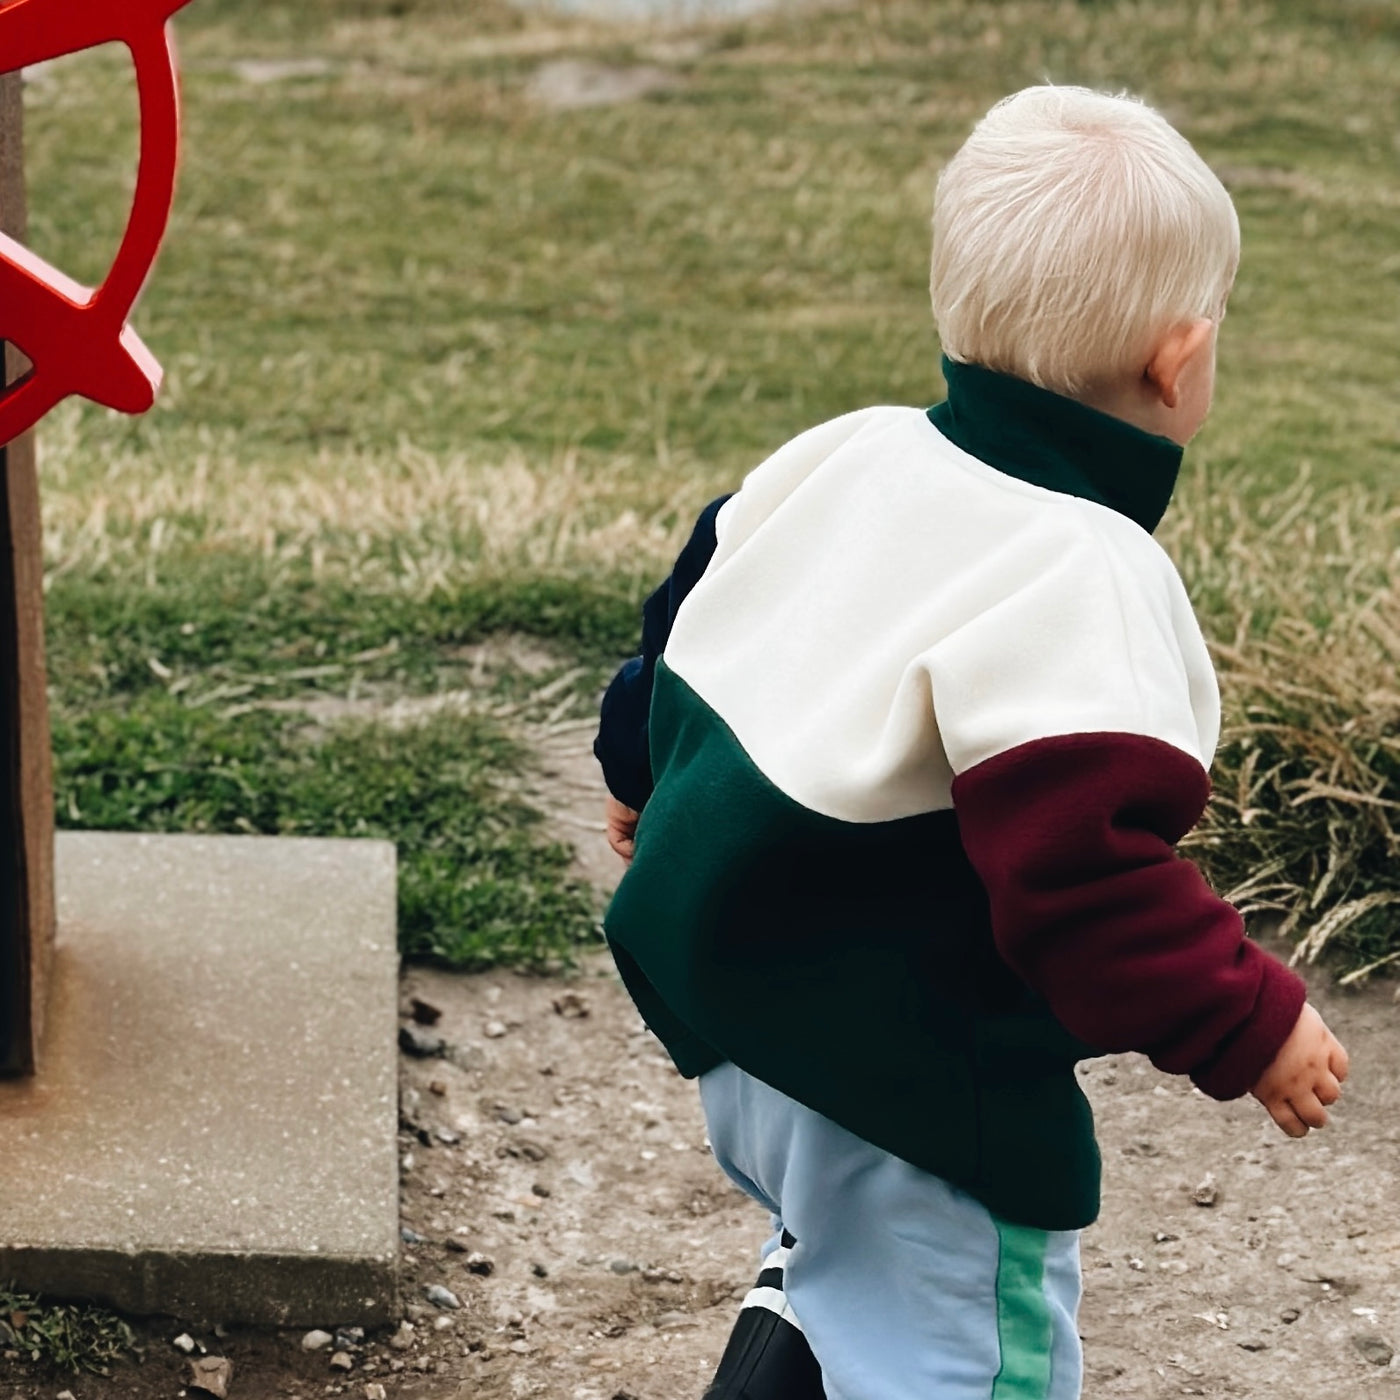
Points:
(619, 1252)
(556, 1181)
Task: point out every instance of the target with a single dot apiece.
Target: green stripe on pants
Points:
(1023, 1316)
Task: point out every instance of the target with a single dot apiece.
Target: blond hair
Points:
(1070, 231)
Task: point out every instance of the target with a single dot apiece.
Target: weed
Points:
(66, 1336)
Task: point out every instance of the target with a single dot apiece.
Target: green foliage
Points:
(228, 624)
(162, 723)
(477, 884)
(69, 1337)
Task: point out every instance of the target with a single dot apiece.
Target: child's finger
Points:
(1308, 1107)
(1328, 1090)
(1338, 1061)
(1282, 1113)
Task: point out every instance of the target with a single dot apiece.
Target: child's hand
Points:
(621, 823)
(1306, 1075)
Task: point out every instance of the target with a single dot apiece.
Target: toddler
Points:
(918, 719)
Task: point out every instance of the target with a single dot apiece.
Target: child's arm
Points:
(621, 823)
(1073, 835)
(1076, 715)
(621, 746)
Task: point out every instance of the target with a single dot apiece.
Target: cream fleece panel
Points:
(884, 611)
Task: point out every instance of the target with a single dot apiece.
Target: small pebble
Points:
(349, 1338)
(468, 1057)
(442, 1322)
(441, 1297)
(539, 1271)
(403, 1338)
(423, 1045)
(316, 1340)
(375, 1391)
(411, 1236)
(571, 1004)
(446, 1135)
(675, 1322)
(1375, 1349)
(438, 1087)
(541, 1190)
(508, 1115)
(622, 1266)
(211, 1375)
(184, 1342)
(66, 1395)
(494, 1030)
(479, 1263)
(424, 1012)
(341, 1361)
(1207, 1193)
(1289, 1315)
(455, 1245)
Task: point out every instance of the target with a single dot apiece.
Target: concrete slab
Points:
(212, 1131)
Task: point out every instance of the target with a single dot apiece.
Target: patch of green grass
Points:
(67, 1336)
(410, 248)
(201, 707)
(478, 885)
(225, 629)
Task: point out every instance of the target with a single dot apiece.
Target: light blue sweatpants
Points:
(905, 1287)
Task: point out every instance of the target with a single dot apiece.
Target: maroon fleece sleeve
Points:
(1092, 907)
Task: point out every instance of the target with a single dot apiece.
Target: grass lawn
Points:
(445, 361)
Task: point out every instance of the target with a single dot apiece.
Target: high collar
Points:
(1060, 444)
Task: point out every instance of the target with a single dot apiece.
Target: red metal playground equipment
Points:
(76, 338)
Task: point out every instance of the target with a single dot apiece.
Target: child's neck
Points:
(1134, 403)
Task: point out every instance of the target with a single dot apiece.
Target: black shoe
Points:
(767, 1357)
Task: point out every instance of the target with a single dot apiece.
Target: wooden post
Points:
(26, 782)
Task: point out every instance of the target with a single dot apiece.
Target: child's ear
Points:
(1176, 351)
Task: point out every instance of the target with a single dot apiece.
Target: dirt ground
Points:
(620, 1252)
(556, 1180)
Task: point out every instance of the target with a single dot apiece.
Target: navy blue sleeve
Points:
(621, 746)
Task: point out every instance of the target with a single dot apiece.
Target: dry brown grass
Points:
(1304, 827)
(401, 520)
